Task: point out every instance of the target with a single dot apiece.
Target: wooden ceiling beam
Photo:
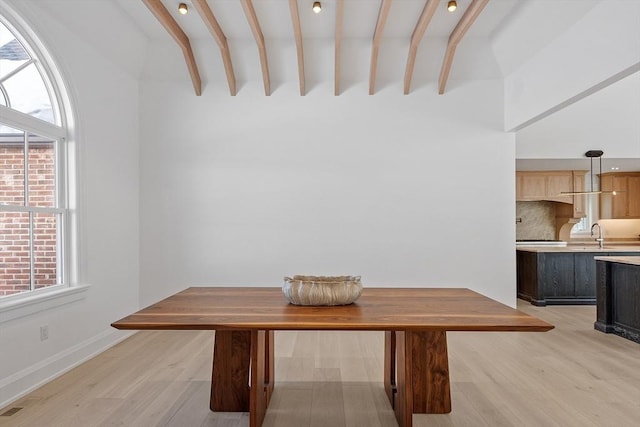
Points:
(209, 19)
(429, 10)
(377, 37)
(250, 13)
(173, 28)
(297, 32)
(338, 37)
(469, 17)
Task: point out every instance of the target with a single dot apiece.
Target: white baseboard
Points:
(25, 381)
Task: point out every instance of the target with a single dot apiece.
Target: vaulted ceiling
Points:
(462, 25)
(409, 43)
(505, 35)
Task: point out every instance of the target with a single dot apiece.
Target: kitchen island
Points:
(562, 275)
(618, 296)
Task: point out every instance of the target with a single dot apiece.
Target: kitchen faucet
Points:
(600, 239)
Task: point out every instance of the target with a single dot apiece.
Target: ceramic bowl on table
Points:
(322, 290)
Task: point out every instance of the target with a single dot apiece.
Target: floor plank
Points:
(571, 376)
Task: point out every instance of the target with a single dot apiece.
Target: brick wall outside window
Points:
(15, 268)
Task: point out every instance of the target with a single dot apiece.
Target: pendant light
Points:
(591, 154)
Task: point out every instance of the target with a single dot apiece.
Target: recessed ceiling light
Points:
(317, 7)
(452, 6)
(182, 8)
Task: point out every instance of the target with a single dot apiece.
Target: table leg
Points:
(269, 363)
(422, 374)
(430, 372)
(403, 403)
(258, 404)
(243, 373)
(390, 366)
(230, 375)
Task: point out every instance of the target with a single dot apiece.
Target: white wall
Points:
(105, 99)
(404, 190)
(411, 190)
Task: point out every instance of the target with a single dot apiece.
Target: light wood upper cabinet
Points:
(633, 193)
(557, 184)
(626, 202)
(530, 186)
(548, 185)
(579, 201)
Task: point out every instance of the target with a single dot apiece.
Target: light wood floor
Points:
(571, 376)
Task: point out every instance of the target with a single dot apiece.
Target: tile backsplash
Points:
(538, 221)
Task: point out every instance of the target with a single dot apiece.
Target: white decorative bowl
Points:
(322, 290)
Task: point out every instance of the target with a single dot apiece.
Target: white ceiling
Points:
(505, 35)
(537, 21)
(608, 164)
(359, 18)
(612, 112)
(516, 28)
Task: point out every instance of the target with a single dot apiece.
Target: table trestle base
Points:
(242, 374)
(416, 373)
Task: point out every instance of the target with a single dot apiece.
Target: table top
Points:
(219, 308)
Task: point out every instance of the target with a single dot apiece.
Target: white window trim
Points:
(592, 209)
(28, 303)
(20, 120)
(20, 305)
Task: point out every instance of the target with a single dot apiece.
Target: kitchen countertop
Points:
(632, 260)
(581, 248)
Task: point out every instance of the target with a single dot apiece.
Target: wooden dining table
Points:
(415, 322)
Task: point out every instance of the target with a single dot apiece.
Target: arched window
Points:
(34, 167)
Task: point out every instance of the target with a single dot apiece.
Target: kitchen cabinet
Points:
(584, 275)
(530, 186)
(559, 278)
(558, 275)
(548, 185)
(633, 201)
(618, 307)
(579, 201)
(625, 203)
(560, 183)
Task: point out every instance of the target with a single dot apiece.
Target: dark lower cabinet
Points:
(527, 275)
(618, 308)
(548, 278)
(557, 275)
(585, 275)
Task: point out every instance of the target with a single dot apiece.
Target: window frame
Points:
(592, 204)
(60, 209)
(61, 132)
